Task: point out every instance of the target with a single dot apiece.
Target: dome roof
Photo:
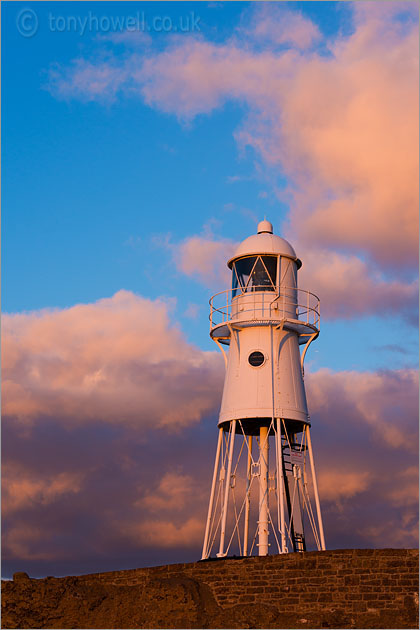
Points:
(265, 242)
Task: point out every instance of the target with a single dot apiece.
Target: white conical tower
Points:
(258, 501)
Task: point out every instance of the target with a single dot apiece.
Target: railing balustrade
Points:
(257, 303)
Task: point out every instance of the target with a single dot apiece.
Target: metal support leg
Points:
(227, 488)
(248, 497)
(206, 552)
(280, 485)
(318, 507)
(263, 516)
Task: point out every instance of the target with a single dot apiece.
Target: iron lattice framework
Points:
(243, 484)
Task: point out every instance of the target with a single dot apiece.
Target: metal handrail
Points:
(263, 300)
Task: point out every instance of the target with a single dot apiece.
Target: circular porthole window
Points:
(256, 359)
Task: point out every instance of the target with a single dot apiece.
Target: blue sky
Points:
(104, 190)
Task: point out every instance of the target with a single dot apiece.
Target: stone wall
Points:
(352, 588)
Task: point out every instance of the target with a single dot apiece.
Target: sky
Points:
(141, 143)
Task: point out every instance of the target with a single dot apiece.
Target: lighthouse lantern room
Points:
(260, 501)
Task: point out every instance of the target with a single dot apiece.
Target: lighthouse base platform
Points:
(350, 588)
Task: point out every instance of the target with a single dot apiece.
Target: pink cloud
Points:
(375, 13)
(365, 433)
(205, 258)
(25, 541)
(188, 533)
(120, 360)
(171, 493)
(150, 491)
(192, 311)
(406, 493)
(338, 484)
(20, 490)
(385, 403)
(347, 286)
(88, 81)
(274, 24)
(342, 127)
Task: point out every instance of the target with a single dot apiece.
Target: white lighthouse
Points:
(264, 482)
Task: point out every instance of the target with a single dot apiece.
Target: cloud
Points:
(346, 285)
(149, 493)
(385, 402)
(232, 179)
(167, 534)
(24, 541)
(20, 490)
(403, 536)
(171, 493)
(88, 81)
(342, 127)
(406, 492)
(275, 25)
(120, 360)
(201, 256)
(340, 484)
(192, 311)
(365, 440)
(150, 490)
(205, 258)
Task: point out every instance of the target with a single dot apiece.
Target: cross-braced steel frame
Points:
(282, 506)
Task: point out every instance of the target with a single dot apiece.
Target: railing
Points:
(259, 303)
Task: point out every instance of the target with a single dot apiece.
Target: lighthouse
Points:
(264, 494)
